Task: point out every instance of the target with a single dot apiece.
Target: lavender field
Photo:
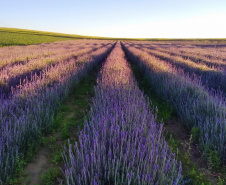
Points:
(121, 138)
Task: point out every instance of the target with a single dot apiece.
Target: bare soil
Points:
(183, 136)
(75, 109)
(33, 170)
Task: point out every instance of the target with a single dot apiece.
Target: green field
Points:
(14, 36)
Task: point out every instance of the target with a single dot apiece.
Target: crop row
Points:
(121, 142)
(215, 63)
(29, 113)
(205, 53)
(210, 76)
(197, 51)
(11, 76)
(199, 108)
(22, 54)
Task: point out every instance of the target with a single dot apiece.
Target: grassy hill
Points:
(14, 36)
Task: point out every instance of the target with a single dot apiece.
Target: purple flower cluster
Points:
(19, 70)
(121, 142)
(211, 54)
(29, 112)
(194, 104)
(211, 76)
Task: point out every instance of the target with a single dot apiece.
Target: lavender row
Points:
(121, 143)
(212, 63)
(194, 104)
(210, 76)
(15, 75)
(14, 55)
(29, 113)
(198, 52)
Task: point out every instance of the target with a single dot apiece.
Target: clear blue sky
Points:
(119, 18)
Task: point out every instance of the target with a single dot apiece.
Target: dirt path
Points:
(46, 164)
(194, 164)
(33, 170)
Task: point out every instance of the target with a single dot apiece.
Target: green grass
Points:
(165, 111)
(10, 39)
(68, 122)
(10, 36)
(50, 176)
(14, 36)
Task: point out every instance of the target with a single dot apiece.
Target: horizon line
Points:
(156, 38)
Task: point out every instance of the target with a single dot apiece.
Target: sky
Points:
(119, 18)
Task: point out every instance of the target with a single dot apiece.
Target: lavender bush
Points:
(29, 112)
(16, 73)
(212, 77)
(211, 54)
(194, 104)
(121, 143)
(14, 55)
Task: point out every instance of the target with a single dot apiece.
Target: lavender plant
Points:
(212, 77)
(121, 143)
(211, 54)
(29, 112)
(194, 104)
(14, 55)
(14, 74)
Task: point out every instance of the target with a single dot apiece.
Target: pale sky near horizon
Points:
(119, 18)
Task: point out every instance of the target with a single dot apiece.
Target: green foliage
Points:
(65, 108)
(20, 165)
(195, 132)
(64, 132)
(14, 36)
(51, 143)
(220, 181)
(187, 148)
(190, 170)
(164, 111)
(58, 120)
(197, 178)
(214, 160)
(48, 177)
(43, 141)
(52, 140)
(173, 144)
(17, 179)
(57, 157)
(9, 38)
